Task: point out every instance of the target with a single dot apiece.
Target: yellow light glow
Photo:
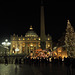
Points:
(28, 38)
(13, 45)
(50, 60)
(39, 45)
(48, 38)
(59, 51)
(23, 39)
(49, 45)
(34, 38)
(31, 28)
(39, 39)
(19, 39)
(31, 44)
(64, 56)
(23, 44)
(55, 53)
(13, 51)
(31, 48)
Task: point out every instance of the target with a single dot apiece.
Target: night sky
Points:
(16, 17)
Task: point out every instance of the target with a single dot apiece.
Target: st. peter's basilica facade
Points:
(28, 43)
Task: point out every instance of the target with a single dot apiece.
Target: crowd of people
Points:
(37, 60)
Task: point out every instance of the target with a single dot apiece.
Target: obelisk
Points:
(42, 23)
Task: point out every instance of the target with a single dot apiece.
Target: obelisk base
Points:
(43, 45)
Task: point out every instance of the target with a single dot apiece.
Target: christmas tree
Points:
(70, 40)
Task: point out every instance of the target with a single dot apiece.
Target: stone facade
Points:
(28, 43)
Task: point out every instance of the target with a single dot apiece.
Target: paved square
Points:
(35, 69)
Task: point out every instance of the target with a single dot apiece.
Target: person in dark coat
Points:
(16, 61)
(6, 61)
(68, 64)
(24, 60)
(20, 61)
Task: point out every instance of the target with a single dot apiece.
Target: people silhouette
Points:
(16, 61)
(6, 61)
(73, 66)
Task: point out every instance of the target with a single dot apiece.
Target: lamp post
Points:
(6, 44)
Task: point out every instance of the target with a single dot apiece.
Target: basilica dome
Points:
(31, 33)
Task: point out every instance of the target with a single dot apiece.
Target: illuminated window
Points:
(23, 44)
(31, 44)
(48, 45)
(39, 45)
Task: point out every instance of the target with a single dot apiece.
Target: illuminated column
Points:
(26, 48)
(16, 47)
(36, 45)
(20, 48)
(11, 50)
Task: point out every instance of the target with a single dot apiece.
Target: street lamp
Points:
(6, 44)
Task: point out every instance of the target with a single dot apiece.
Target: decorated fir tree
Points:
(70, 40)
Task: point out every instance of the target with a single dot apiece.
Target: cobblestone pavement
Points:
(32, 69)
